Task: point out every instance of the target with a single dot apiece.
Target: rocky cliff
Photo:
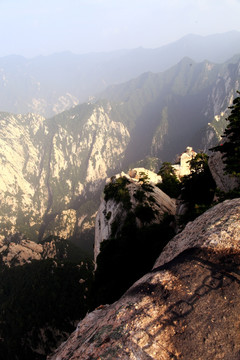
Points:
(144, 195)
(47, 167)
(170, 101)
(16, 250)
(53, 170)
(219, 100)
(223, 181)
(187, 307)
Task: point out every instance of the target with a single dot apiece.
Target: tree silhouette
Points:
(230, 148)
(170, 183)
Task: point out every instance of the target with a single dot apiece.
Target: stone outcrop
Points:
(137, 173)
(187, 307)
(218, 228)
(20, 253)
(223, 181)
(16, 250)
(111, 212)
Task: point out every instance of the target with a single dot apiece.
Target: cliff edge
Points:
(187, 307)
(135, 193)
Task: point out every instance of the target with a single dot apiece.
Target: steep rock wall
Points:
(219, 99)
(60, 164)
(111, 212)
(48, 168)
(223, 181)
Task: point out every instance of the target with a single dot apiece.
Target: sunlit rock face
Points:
(48, 167)
(61, 164)
(20, 253)
(219, 100)
(17, 250)
(136, 174)
(186, 308)
(218, 228)
(21, 170)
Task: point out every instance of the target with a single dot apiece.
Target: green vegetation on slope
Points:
(198, 188)
(170, 183)
(118, 191)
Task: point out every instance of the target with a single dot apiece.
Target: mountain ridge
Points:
(61, 163)
(48, 85)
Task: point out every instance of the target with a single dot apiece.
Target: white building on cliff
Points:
(183, 167)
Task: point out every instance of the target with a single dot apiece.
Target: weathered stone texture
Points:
(223, 181)
(186, 309)
(110, 211)
(46, 169)
(217, 228)
(24, 251)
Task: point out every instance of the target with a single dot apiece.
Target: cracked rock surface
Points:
(185, 308)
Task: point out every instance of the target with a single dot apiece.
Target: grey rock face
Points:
(218, 228)
(47, 167)
(223, 181)
(186, 308)
(16, 250)
(111, 212)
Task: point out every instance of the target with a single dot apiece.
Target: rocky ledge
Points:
(187, 307)
(111, 212)
(17, 250)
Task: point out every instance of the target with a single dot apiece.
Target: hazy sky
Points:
(34, 27)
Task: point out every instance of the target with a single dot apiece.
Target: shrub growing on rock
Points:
(170, 183)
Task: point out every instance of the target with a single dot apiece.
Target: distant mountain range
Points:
(165, 112)
(53, 170)
(49, 85)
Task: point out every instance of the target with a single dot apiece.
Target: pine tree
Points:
(230, 148)
(170, 183)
